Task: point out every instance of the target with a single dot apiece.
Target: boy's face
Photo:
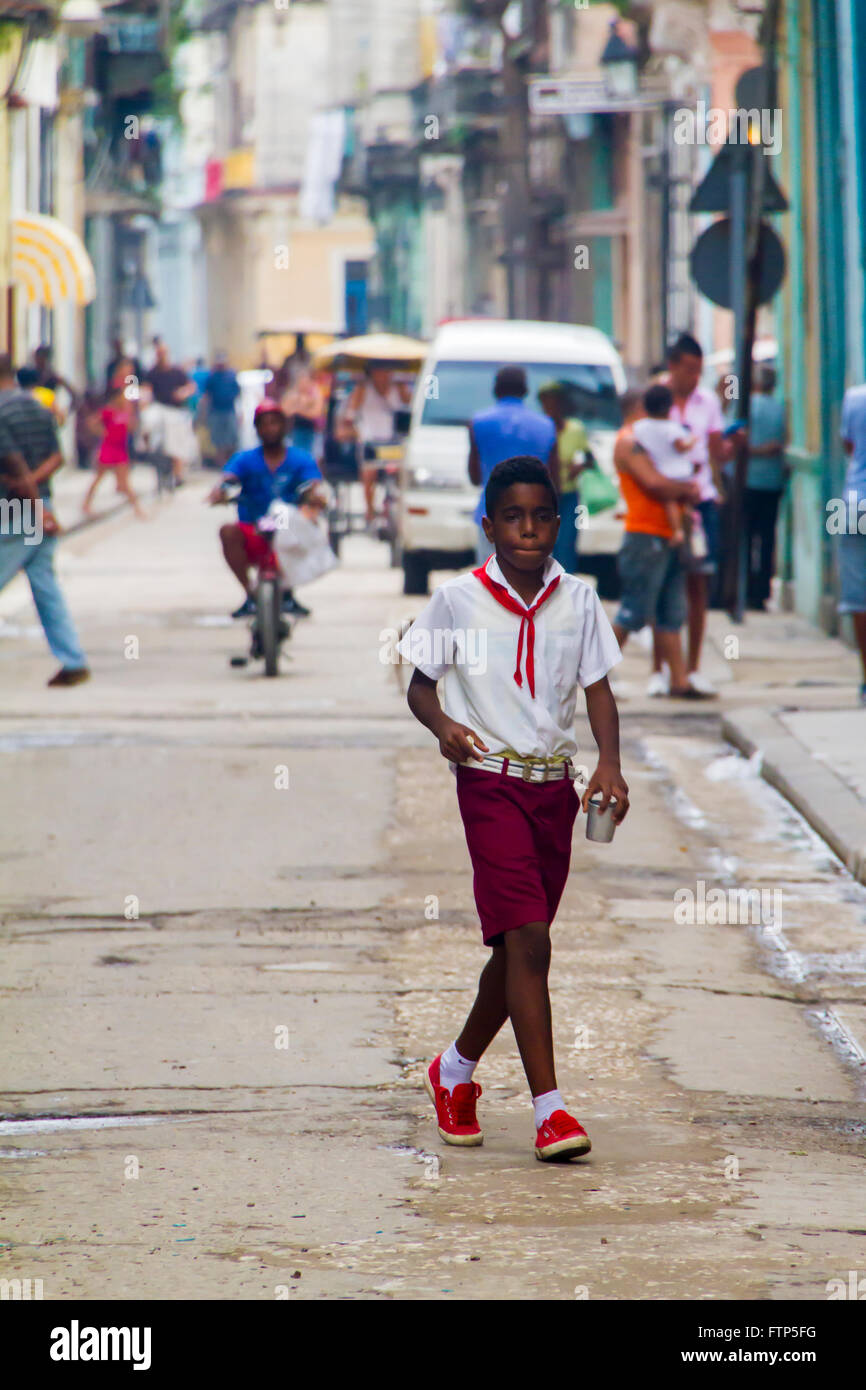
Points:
(524, 526)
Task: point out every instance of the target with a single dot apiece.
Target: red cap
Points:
(268, 407)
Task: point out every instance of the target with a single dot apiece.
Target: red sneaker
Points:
(561, 1136)
(455, 1110)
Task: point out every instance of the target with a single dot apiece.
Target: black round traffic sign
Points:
(711, 263)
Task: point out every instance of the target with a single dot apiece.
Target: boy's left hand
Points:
(608, 780)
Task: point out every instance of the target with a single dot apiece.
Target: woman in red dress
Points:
(116, 421)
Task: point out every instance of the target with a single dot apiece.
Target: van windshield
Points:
(455, 391)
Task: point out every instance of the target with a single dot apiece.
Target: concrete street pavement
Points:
(219, 993)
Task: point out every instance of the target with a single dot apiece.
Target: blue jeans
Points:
(37, 562)
(565, 550)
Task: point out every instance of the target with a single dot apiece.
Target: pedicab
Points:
(348, 360)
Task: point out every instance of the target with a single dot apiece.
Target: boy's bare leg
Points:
(527, 955)
(235, 554)
(489, 1011)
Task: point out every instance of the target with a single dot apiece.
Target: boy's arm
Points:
(456, 741)
(604, 722)
(217, 494)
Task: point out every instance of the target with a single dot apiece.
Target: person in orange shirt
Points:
(653, 582)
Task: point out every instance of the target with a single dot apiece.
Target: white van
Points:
(437, 500)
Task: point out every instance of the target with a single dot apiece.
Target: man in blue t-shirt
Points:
(272, 471)
(220, 393)
(507, 430)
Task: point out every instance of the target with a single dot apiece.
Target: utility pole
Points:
(519, 228)
(748, 186)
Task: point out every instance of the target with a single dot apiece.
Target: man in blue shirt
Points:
(272, 471)
(852, 541)
(506, 430)
(220, 393)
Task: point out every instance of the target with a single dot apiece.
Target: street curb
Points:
(822, 798)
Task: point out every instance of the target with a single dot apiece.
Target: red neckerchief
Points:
(526, 616)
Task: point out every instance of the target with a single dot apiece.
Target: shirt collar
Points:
(551, 569)
(510, 400)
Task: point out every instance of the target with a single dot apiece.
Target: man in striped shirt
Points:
(29, 455)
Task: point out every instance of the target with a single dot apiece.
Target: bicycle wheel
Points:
(268, 621)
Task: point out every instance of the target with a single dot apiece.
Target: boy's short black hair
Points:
(657, 402)
(684, 346)
(28, 377)
(522, 469)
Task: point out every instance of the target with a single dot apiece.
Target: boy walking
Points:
(512, 641)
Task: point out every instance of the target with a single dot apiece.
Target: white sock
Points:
(545, 1105)
(454, 1070)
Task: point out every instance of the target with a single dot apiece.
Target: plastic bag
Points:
(301, 544)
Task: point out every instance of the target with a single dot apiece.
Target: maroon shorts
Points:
(519, 839)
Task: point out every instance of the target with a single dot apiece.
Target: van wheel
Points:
(415, 574)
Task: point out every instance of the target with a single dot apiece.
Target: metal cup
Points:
(600, 824)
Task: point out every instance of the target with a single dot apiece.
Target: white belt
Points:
(528, 769)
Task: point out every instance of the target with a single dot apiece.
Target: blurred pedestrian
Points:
(29, 380)
(698, 408)
(29, 455)
(88, 431)
(852, 543)
(52, 380)
(650, 567)
(121, 357)
(765, 483)
(304, 403)
(117, 422)
(371, 409)
(505, 430)
(572, 445)
(220, 395)
(171, 389)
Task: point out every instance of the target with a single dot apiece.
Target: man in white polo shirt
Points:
(699, 410)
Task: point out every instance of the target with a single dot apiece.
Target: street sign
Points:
(711, 263)
(752, 87)
(713, 193)
(569, 96)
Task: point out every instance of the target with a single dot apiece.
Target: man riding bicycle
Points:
(272, 471)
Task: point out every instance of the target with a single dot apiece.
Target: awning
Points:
(50, 261)
(383, 348)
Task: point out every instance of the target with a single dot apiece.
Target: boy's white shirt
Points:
(657, 438)
(467, 639)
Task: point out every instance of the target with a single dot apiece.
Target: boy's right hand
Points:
(458, 743)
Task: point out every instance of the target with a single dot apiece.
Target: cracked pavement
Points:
(229, 991)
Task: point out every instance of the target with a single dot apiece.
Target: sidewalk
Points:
(790, 695)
